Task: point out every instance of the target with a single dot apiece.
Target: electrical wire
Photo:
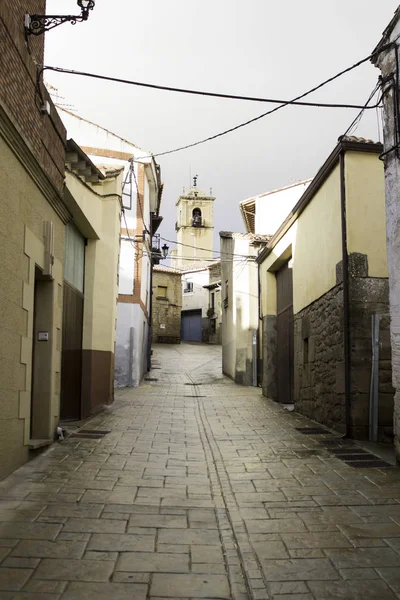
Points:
(244, 124)
(205, 249)
(202, 93)
(353, 125)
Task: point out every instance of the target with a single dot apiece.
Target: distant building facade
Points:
(167, 305)
(239, 296)
(195, 228)
(141, 192)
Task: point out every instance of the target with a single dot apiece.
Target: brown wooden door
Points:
(71, 361)
(285, 334)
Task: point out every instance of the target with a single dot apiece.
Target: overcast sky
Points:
(254, 48)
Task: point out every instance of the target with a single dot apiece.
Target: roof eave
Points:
(320, 178)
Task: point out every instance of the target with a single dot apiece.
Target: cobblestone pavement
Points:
(201, 489)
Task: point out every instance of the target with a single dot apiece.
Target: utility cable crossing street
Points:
(191, 486)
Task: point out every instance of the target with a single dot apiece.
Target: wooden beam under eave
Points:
(85, 172)
(71, 157)
(92, 178)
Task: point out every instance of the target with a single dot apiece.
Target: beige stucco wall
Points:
(314, 242)
(365, 210)
(99, 209)
(23, 212)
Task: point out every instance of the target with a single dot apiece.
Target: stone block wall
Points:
(167, 310)
(319, 360)
(319, 373)
(368, 296)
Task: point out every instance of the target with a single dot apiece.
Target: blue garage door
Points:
(191, 326)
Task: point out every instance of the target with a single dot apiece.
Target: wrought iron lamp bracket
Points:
(38, 24)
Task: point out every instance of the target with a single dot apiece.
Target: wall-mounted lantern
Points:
(165, 250)
(38, 24)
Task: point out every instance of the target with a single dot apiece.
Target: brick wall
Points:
(44, 135)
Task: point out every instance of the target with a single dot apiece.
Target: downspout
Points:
(260, 325)
(150, 321)
(346, 297)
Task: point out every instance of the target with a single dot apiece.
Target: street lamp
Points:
(165, 249)
(38, 24)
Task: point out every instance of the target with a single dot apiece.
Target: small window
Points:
(188, 287)
(213, 300)
(162, 291)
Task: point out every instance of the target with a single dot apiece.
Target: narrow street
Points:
(195, 487)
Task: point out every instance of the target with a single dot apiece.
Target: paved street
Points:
(199, 489)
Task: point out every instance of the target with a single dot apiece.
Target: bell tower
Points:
(195, 227)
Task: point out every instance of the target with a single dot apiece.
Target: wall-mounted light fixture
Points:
(38, 24)
(165, 250)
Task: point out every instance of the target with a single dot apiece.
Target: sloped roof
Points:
(162, 269)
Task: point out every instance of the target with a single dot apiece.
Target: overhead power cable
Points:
(353, 125)
(201, 93)
(205, 249)
(235, 128)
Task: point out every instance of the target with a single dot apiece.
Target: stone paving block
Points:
(66, 510)
(208, 568)
(371, 530)
(188, 536)
(316, 540)
(275, 526)
(4, 552)
(190, 586)
(74, 570)
(354, 590)
(20, 563)
(127, 577)
(26, 531)
(36, 586)
(105, 591)
(107, 542)
(95, 555)
(19, 515)
(156, 562)
(266, 550)
(22, 595)
(299, 569)
(95, 526)
(362, 573)
(346, 558)
(13, 579)
(207, 554)
(173, 548)
(158, 521)
(73, 537)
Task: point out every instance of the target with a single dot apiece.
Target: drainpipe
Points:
(260, 324)
(346, 301)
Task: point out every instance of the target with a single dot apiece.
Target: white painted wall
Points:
(199, 297)
(130, 316)
(126, 270)
(240, 317)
